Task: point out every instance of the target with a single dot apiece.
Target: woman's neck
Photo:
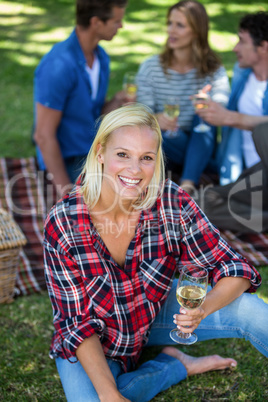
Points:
(182, 61)
(116, 212)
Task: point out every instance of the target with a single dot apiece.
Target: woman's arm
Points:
(92, 358)
(201, 244)
(225, 291)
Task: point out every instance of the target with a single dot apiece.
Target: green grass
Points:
(28, 28)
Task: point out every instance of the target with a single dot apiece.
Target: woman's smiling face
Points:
(129, 160)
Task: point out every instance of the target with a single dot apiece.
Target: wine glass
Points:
(130, 85)
(197, 101)
(171, 110)
(191, 293)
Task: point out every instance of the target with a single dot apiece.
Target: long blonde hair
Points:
(131, 115)
(204, 59)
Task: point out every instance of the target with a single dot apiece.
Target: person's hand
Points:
(118, 100)
(129, 98)
(166, 123)
(206, 88)
(214, 113)
(188, 320)
(121, 97)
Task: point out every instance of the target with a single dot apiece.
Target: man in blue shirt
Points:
(70, 87)
(248, 104)
(241, 202)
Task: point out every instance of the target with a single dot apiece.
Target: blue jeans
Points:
(246, 317)
(230, 156)
(191, 150)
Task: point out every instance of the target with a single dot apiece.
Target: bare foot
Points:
(198, 365)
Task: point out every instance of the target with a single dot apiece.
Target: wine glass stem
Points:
(184, 335)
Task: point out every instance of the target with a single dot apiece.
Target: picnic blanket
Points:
(27, 195)
(23, 195)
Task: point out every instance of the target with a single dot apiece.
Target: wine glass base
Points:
(175, 336)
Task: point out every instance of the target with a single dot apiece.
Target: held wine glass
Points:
(130, 85)
(197, 101)
(171, 110)
(191, 293)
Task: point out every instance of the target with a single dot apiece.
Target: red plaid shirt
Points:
(90, 293)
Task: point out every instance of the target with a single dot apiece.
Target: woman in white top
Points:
(186, 65)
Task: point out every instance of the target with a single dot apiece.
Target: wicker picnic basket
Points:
(11, 241)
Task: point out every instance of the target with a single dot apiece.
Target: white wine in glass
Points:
(130, 85)
(191, 293)
(197, 101)
(172, 111)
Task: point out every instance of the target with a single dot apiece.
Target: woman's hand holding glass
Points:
(191, 293)
(189, 320)
(166, 123)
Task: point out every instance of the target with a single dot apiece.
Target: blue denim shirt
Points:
(62, 83)
(230, 151)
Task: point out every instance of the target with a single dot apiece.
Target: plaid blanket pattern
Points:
(253, 247)
(27, 195)
(22, 195)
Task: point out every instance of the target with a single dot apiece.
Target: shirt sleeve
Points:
(202, 244)
(145, 81)
(220, 90)
(54, 79)
(74, 318)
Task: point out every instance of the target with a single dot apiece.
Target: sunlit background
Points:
(28, 29)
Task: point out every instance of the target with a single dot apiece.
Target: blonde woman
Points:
(112, 248)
